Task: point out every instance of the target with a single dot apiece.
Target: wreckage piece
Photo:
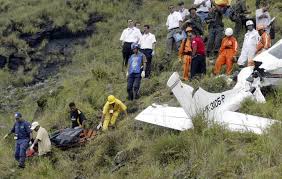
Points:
(170, 117)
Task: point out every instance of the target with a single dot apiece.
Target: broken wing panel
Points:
(243, 122)
(170, 117)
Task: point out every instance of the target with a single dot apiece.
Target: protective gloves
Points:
(143, 74)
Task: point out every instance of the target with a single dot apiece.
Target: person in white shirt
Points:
(263, 17)
(251, 40)
(173, 23)
(147, 45)
(183, 11)
(129, 36)
(42, 139)
(203, 7)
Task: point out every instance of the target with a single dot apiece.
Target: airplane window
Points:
(277, 52)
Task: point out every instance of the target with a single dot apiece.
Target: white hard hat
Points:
(228, 32)
(34, 125)
(249, 22)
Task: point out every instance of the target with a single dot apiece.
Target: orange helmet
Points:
(260, 27)
(188, 29)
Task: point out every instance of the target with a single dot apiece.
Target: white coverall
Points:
(249, 47)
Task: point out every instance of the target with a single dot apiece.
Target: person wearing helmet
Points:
(111, 111)
(227, 52)
(42, 139)
(251, 40)
(136, 71)
(23, 135)
(185, 54)
(77, 117)
(265, 40)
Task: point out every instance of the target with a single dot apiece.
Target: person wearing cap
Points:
(23, 135)
(194, 21)
(111, 111)
(263, 17)
(147, 44)
(136, 71)
(173, 24)
(216, 29)
(251, 40)
(203, 8)
(183, 11)
(198, 64)
(77, 117)
(129, 35)
(185, 54)
(42, 139)
(265, 40)
(227, 52)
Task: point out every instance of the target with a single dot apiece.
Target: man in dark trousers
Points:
(77, 117)
(198, 65)
(239, 16)
(23, 136)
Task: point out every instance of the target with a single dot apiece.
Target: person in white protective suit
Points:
(251, 40)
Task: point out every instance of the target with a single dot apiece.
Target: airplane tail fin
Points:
(183, 93)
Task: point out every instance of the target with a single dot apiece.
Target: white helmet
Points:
(249, 22)
(228, 32)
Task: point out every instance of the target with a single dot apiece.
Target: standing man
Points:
(147, 44)
(194, 21)
(239, 16)
(265, 40)
(77, 117)
(23, 135)
(216, 28)
(251, 40)
(198, 65)
(42, 139)
(136, 71)
(111, 111)
(183, 11)
(263, 17)
(173, 23)
(185, 54)
(227, 52)
(203, 7)
(129, 35)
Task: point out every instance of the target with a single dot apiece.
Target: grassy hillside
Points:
(142, 150)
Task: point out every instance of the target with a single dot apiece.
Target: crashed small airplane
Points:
(221, 107)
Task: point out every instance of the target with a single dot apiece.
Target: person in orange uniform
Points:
(228, 50)
(265, 40)
(184, 54)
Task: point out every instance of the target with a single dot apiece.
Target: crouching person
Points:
(111, 111)
(42, 139)
(136, 71)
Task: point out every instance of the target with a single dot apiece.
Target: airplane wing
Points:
(235, 121)
(170, 117)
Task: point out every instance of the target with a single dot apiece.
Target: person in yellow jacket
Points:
(111, 111)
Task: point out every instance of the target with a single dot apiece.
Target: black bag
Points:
(66, 138)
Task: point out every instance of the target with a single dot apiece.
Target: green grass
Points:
(151, 151)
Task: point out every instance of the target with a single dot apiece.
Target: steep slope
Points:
(133, 150)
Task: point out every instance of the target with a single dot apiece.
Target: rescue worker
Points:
(147, 44)
(239, 16)
(185, 54)
(265, 40)
(216, 28)
(194, 20)
(203, 8)
(251, 40)
(23, 135)
(77, 117)
(227, 52)
(136, 71)
(173, 23)
(129, 35)
(198, 64)
(42, 139)
(111, 111)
